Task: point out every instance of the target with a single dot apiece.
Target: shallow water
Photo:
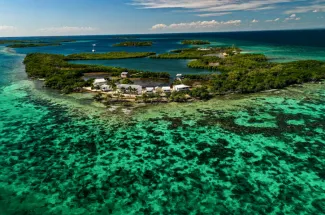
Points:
(252, 154)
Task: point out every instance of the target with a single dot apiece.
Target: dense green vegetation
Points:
(67, 77)
(195, 53)
(231, 63)
(201, 93)
(248, 73)
(29, 45)
(108, 56)
(195, 42)
(202, 77)
(134, 43)
(17, 41)
(32, 43)
(266, 76)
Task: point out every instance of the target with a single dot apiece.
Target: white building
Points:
(105, 88)
(166, 89)
(149, 89)
(99, 82)
(126, 87)
(181, 87)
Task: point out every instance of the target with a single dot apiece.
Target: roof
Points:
(149, 88)
(100, 80)
(179, 75)
(128, 85)
(105, 86)
(166, 88)
(124, 73)
(181, 86)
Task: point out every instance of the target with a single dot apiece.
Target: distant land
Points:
(134, 43)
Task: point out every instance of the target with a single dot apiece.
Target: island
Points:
(237, 73)
(30, 45)
(195, 42)
(108, 56)
(134, 43)
(62, 75)
(196, 53)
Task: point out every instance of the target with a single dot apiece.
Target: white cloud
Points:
(255, 21)
(292, 17)
(67, 30)
(196, 25)
(209, 7)
(7, 28)
(273, 20)
(159, 26)
(311, 8)
(213, 14)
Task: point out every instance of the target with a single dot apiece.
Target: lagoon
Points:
(173, 67)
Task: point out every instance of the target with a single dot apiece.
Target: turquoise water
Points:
(65, 154)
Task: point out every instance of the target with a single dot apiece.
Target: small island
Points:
(237, 73)
(196, 53)
(108, 56)
(195, 42)
(134, 43)
(30, 45)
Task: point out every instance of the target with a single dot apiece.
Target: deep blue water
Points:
(281, 45)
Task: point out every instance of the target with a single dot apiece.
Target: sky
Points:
(93, 17)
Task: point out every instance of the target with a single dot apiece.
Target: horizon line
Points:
(206, 32)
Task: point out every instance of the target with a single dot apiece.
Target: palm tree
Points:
(130, 90)
(112, 85)
(145, 97)
(123, 89)
(135, 91)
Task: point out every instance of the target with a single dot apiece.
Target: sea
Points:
(261, 153)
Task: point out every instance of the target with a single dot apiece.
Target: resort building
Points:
(166, 89)
(126, 88)
(124, 75)
(181, 87)
(99, 82)
(105, 88)
(149, 89)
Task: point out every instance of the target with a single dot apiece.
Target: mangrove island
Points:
(134, 43)
(195, 42)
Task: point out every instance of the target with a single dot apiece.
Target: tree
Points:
(112, 85)
(98, 97)
(145, 97)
